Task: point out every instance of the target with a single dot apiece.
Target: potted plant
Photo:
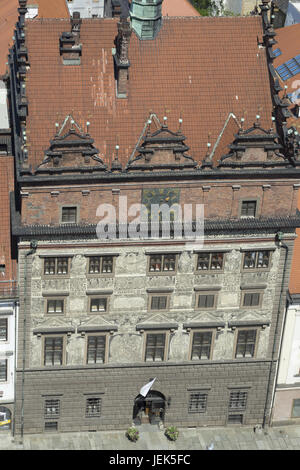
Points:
(172, 433)
(132, 434)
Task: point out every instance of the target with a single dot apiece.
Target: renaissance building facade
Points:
(149, 110)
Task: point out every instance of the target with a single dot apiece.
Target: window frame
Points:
(241, 407)
(6, 362)
(60, 299)
(292, 408)
(210, 253)
(251, 292)
(63, 352)
(248, 201)
(6, 340)
(101, 274)
(162, 272)
(166, 345)
(197, 392)
(106, 347)
(69, 206)
(203, 331)
(246, 328)
(56, 274)
(92, 297)
(98, 414)
(50, 416)
(158, 294)
(255, 268)
(206, 293)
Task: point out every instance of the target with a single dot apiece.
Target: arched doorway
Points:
(5, 418)
(149, 409)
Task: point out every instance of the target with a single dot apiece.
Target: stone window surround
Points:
(100, 255)
(257, 210)
(166, 346)
(56, 276)
(52, 398)
(55, 296)
(67, 206)
(93, 397)
(252, 290)
(210, 252)
(106, 334)
(98, 294)
(162, 253)
(202, 330)
(206, 292)
(236, 333)
(159, 293)
(253, 270)
(64, 343)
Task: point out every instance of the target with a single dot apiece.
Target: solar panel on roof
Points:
(289, 68)
(277, 52)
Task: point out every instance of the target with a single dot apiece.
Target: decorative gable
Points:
(157, 322)
(254, 147)
(161, 150)
(71, 149)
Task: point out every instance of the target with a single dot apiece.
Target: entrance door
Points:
(150, 409)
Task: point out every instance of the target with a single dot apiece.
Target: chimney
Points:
(122, 63)
(69, 42)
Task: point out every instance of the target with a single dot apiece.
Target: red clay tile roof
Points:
(288, 39)
(51, 8)
(8, 18)
(6, 185)
(178, 8)
(201, 67)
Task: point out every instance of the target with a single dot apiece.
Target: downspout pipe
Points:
(33, 247)
(280, 243)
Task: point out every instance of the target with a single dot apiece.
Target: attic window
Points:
(69, 215)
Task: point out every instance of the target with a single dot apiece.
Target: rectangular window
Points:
(159, 302)
(55, 306)
(296, 408)
(197, 402)
(256, 259)
(93, 407)
(53, 266)
(53, 351)
(51, 426)
(3, 329)
(98, 305)
(162, 263)
(52, 408)
(69, 215)
(201, 345)
(96, 349)
(248, 209)
(251, 299)
(155, 347)
(101, 264)
(238, 400)
(246, 342)
(235, 419)
(3, 370)
(210, 261)
(206, 301)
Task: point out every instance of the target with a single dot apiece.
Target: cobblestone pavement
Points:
(152, 438)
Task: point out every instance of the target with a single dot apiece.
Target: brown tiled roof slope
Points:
(8, 18)
(52, 8)
(202, 68)
(6, 185)
(288, 39)
(178, 8)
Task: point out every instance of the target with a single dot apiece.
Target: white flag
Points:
(145, 389)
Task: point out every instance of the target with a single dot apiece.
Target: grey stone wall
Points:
(125, 371)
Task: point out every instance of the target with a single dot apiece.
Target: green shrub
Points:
(172, 433)
(132, 434)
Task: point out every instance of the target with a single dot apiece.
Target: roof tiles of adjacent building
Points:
(199, 68)
(178, 8)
